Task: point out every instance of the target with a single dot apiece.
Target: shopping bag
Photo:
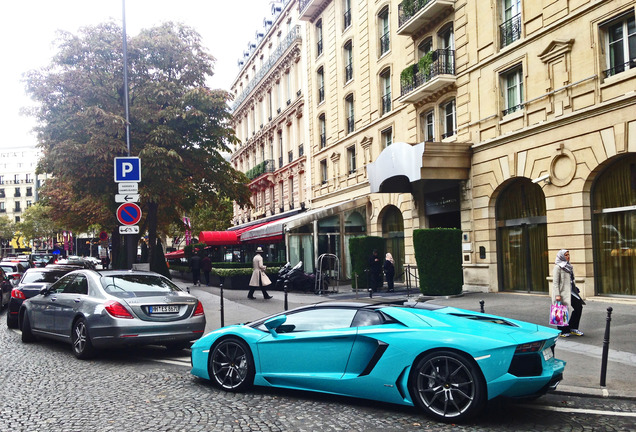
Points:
(559, 315)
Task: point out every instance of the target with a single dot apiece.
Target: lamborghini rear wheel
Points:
(447, 386)
(231, 365)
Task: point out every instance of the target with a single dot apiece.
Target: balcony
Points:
(433, 72)
(413, 15)
(267, 166)
(310, 8)
(510, 31)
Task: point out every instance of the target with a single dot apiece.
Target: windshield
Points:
(137, 285)
(47, 277)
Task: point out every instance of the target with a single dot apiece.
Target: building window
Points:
(291, 192)
(512, 81)
(385, 80)
(288, 86)
(620, 45)
(2, 193)
(17, 206)
(385, 40)
(269, 105)
(427, 121)
(280, 149)
(318, 38)
(17, 192)
(29, 191)
(448, 120)
(350, 114)
(281, 197)
(301, 150)
(321, 85)
(28, 179)
(348, 56)
(387, 137)
(510, 29)
(323, 171)
(29, 203)
(351, 159)
(424, 47)
(17, 219)
(290, 156)
(1, 179)
(322, 124)
(2, 209)
(347, 14)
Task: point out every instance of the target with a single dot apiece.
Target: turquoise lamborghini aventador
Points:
(448, 362)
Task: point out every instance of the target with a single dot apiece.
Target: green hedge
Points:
(361, 249)
(438, 253)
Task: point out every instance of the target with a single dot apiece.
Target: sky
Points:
(29, 27)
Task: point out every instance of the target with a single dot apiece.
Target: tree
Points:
(37, 223)
(178, 127)
(7, 231)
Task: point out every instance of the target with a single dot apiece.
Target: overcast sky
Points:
(28, 28)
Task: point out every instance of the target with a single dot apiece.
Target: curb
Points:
(598, 392)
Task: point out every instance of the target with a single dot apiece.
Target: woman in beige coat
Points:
(565, 291)
(259, 278)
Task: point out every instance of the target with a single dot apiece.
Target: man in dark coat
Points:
(195, 267)
(375, 271)
(206, 266)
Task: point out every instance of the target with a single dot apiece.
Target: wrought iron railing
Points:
(347, 19)
(386, 103)
(443, 64)
(293, 35)
(266, 166)
(385, 43)
(631, 64)
(408, 8)
(510, 31)
(513, 109)
(348, 72)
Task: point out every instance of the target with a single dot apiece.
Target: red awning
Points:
(175, 254)
(225, 238)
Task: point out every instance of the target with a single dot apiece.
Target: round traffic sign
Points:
(128, 214)
(103, 236)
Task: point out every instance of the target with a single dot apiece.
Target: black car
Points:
(5, 288)
(31, 283)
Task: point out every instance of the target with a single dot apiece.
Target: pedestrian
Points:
(195, 267)
(206, 266)
(375, 271)
(565, 291)
(389, 271)
(259, 278)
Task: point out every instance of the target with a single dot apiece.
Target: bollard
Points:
(356, 277)
(481, 305)
(285, 289)
(606, 340)
(222, 311)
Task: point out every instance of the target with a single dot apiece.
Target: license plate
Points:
(547, 354)
(163, 309)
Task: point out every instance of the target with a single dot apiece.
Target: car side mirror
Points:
(273, 323)
(45, 291)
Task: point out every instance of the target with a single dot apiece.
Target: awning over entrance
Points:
(401, 164)
(175, 255)
(273, 232)
(226, 238)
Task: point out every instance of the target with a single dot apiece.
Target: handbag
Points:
(559, 315)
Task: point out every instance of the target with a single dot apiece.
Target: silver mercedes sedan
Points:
(94, 309)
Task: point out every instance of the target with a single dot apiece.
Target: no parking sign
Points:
(128, 214)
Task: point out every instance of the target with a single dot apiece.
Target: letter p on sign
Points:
(127, 169)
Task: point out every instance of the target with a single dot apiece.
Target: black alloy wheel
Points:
(447, 386)
(82, 346)
(231, 365)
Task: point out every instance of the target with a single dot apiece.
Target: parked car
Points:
(31, 283)
(446, 361)
(5, 287)
(13, 269)
(40, 259)
(92, 309)
(76, 261)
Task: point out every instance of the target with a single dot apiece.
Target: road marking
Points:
(582, 411)
(172, 362)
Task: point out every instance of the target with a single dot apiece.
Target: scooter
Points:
(282, 276)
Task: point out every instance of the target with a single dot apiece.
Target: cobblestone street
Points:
(44, 388)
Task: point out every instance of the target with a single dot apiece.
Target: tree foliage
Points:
(7, 230)
(37, 223)
(179, 128)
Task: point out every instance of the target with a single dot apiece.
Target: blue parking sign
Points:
(127, 169)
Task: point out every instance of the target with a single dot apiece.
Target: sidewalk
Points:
(583, 354)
